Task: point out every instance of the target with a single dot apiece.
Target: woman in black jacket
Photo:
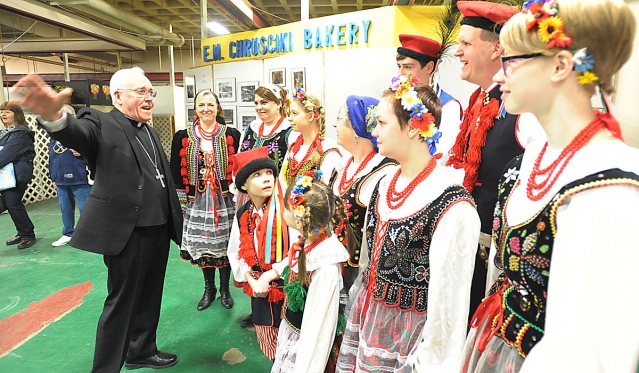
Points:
(17, 147)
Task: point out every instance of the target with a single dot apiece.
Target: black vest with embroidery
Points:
(355, 210)
(309, 165)
(277, 143)
(525, 251)
(403, 268)
(501, 147)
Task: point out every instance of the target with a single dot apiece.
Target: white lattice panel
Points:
(41, 187)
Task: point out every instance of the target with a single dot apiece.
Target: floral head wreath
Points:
(543, 17)
(300, 95)
(302, 185)
(423, 121)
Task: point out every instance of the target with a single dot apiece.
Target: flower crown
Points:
(542, 17)
(300, 95)
(423, 121)
(302, 185)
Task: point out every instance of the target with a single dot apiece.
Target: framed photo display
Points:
(277, 76)
(189, 87)
(225, 89)
(298, 78)
(245, 116)
(247, 92)
(230, 116)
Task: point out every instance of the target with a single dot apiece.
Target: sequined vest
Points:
(399, 251)
(276, 143)
(355, 210)
(525, 251)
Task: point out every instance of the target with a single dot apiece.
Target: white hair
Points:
(121, 78)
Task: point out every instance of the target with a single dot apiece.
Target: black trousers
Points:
(131, 312)
(478, 286)
(13, 199)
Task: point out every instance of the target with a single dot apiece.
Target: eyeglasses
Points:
(141, 92)
(506, 61)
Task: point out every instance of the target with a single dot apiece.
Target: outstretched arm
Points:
(40, 98)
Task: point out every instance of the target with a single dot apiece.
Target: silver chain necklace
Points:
(154, 160)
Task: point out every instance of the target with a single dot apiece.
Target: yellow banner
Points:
(374, 28)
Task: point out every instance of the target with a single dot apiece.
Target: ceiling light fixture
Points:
(217, 28)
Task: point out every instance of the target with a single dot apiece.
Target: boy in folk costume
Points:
(259, 238)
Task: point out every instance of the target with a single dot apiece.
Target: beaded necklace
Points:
(345, 183)
(207, 135)
(536, 190)
(395, 199)
(293, 165)
(260, 132)
(294, 254)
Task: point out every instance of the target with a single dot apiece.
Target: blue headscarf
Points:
(361, 112)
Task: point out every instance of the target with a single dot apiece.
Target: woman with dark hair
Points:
(200, 167)
(421, 231)
(17, 147)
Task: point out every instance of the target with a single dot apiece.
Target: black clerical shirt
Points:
(154, 209)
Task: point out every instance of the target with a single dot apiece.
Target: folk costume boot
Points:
(225, 293)
(210, 291)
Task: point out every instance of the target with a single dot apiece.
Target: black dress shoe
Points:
(157, 361)
(14, 241)
(26, 243)
(247, 321)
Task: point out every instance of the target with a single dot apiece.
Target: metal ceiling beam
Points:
(153, 34)
(44, 13)
(62, 46)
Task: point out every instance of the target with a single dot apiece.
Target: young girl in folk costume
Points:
(313, 279)
(259, 239)
(355, 178)
(421, 235)
(311, 150)
(567, 209)
(200, 167)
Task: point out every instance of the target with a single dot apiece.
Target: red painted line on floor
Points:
(19, 328)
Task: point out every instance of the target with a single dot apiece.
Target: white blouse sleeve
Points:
(452, 262)
(529, 130)
(238, 266)
(320, 320)
(329, 163)
(449, 126)
(591, 323)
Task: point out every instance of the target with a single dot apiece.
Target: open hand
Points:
(40, 98)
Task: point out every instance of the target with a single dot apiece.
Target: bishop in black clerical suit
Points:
(130, 216)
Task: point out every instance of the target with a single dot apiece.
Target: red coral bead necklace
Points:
(536, 190)
(346, 182)
(260, 132)
(395, 199)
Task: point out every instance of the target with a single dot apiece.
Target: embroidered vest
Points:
(524, 252)
(401, 251)
(276, 143)
(355, 210)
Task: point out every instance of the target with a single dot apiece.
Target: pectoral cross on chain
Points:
(159, 176)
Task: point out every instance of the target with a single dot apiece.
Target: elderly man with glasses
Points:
(130, 216)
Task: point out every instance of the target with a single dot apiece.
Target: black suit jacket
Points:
(107, 142)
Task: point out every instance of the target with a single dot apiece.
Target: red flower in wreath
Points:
(296, 201)
(536, 14)
(424, 122)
